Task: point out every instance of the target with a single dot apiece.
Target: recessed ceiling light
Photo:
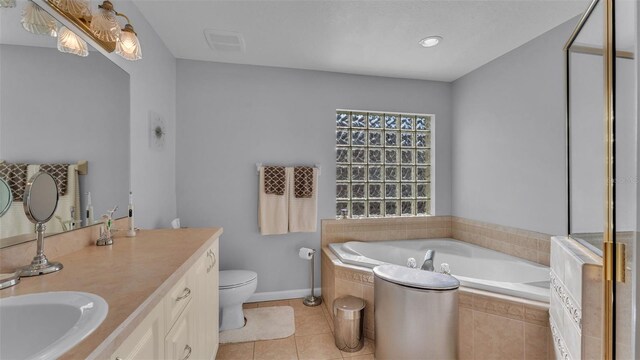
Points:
(430, 41)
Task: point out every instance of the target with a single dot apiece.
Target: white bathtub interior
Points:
(474, 266)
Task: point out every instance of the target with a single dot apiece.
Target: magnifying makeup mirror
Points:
(40, 202)
(6, 198)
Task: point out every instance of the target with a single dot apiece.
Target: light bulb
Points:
(430, 41)
(69, 42)
(128, 46)
(37, 21)
(104, 24)
(77, 8)
(7, 3)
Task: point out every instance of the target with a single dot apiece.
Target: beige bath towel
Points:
(303, 199)
(273, 207)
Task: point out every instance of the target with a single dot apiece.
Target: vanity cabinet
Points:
(147, 340)
(184, 325)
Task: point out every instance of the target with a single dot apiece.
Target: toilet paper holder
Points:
(309, 254)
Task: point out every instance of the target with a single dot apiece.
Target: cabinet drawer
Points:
(180, 343)
(178, 298)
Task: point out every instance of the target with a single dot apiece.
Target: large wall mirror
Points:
(57, 109)
(586, 132)
(586, 109)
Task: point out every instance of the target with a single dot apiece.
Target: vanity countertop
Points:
(132, 275)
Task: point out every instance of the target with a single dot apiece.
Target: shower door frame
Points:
(613, 253)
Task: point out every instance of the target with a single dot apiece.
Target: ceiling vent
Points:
(224, 41)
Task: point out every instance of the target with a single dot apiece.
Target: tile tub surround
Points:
(525, 244)
(380, 229)
(528, 245)
(576, 299)
(491, 326)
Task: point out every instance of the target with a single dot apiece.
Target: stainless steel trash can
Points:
(348, 323)
(416, 314)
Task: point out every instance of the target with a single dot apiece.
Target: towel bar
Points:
(259, 165)
(83, 167)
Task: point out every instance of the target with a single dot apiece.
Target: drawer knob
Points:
(187, 349)
(185, 294)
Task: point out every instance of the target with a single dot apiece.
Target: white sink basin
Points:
(46, 325)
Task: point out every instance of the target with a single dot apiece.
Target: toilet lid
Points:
(235, 278)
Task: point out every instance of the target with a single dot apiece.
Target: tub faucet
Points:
(428, 260)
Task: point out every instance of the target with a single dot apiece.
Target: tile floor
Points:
(313, 339)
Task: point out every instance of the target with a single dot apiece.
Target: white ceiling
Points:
(359, 37)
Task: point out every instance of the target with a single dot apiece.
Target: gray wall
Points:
(509, 138)
(233, 116)
(153, 88)
(63, 108)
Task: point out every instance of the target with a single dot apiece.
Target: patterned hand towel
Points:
(303, 181)
(16, 176)
(59, 173)
(274, 180)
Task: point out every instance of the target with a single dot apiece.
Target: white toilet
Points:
(236, 287)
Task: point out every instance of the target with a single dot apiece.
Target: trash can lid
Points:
(416, 278)
(348, 303)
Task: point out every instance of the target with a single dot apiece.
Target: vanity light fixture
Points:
(69, 42)
(77, 8)
(7, 3)
(104, 24)
(128, 45)
(102, 27)
(37, 21)
(430, 41)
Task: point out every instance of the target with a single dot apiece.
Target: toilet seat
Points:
(230, 279)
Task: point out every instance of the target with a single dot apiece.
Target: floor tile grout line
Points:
(254, 350)
(295, 343)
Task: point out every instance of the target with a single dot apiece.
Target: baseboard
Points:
(282, 295)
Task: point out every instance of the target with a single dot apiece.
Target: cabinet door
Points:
(180, 343)
(213, 314)
(206, 272)
(146, 341)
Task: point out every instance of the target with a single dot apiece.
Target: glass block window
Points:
(383, 164)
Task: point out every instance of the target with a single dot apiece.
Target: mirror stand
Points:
(40, 265)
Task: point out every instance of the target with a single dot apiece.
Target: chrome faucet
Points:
(428, 260)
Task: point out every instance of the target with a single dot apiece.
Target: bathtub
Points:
(474, 266)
